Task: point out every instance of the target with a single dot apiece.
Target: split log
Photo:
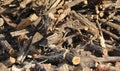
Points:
(18, 33)
(6, 45)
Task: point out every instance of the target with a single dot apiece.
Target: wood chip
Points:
(37, 37)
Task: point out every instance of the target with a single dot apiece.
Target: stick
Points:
(115, 26)
(111, 34)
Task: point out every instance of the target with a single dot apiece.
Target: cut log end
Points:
(76, 60)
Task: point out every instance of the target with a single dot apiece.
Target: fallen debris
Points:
(59, 35)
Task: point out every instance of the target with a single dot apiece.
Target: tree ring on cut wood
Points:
(76, 60)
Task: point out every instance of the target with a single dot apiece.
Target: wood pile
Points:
(59, 35)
